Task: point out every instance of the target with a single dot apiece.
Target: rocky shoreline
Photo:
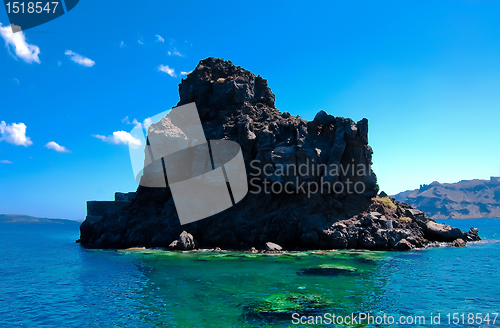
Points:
(332, 200)
(391, 226)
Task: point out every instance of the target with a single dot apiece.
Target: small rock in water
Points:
(402, 245)
(186, 241)
(253, 250)
(173, 245)
(459, 242)
(273, 247)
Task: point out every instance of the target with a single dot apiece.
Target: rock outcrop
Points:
(311, 185)
(185, 242)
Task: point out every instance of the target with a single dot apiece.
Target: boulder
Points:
(443, 232)
(473, 235)
(403, 245)
(186, 241)
(272, 247)
(418, 216)
(374, 239)
(335, 238)
(459, 242)
(385, 223)
(174, 245)
(324, 118)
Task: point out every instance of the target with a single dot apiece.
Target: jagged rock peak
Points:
(219, 83)
(315, 205)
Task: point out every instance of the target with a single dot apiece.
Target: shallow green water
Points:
(220, 289)
(49, 281)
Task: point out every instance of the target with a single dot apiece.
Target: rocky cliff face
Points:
(310, 182)
(467, 199)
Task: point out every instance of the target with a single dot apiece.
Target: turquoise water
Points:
(46, 280)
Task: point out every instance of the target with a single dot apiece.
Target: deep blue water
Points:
(47, 280)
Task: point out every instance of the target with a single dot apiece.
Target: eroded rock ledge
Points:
(234, 104)
(389, 225)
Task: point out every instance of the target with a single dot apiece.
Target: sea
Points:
(48, 280)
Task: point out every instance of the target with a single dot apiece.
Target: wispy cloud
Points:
(123, 45)
(17, 41)
(166, 69)
(175, 53)
(140, 42)
(60, 149)
(15, 134)
(145, 125)
(120, 137)
(17, 81)
(159, 38)
(4, 161)
(79, 59)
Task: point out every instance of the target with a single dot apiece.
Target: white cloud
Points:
(15, 134)
(120, 137)
(137, 123)
(140, 42)
(185, 73)
(17, 81)
(123, 45)
(27, 52)
(168, 70)
(79, 59)
(160, 39)
(147, 123)
(4, 161)
(60, 149)
(175, 53)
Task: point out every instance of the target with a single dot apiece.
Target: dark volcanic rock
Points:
(403, 245)
(459, 243)
(286, 157)
(186, 241)
(443, 232)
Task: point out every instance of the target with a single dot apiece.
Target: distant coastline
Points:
(19, 218)
(467, 199)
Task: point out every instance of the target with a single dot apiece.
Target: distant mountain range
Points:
(16, 218)
(467, 199)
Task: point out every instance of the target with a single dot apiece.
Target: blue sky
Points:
(426, 74)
